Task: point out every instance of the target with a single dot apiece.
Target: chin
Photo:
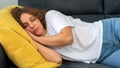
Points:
(37, 34)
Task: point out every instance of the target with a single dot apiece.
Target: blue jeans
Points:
(110, 53)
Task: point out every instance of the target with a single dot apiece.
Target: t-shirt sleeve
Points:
(57, 21)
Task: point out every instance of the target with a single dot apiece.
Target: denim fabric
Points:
(110, 53)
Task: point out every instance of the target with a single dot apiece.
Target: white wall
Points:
(5, 3)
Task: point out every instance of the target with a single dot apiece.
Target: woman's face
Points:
(32, 24)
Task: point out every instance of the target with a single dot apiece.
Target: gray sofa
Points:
(87, 10)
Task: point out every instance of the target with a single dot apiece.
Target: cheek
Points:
(40, 25)
(27, 29)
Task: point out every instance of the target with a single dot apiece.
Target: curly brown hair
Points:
(38, 13)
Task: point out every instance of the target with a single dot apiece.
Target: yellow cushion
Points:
(18, 45)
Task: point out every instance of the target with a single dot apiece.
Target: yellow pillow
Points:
(18, 45)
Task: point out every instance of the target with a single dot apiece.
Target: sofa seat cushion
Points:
(73, 64)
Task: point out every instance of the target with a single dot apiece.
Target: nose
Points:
(31, 25)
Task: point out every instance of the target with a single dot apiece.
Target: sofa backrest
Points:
(87, 10)
(112, 8)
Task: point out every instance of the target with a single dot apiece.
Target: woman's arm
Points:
(63, 38)
(49, 54)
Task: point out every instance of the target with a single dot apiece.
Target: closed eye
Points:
(25, 25)
(32, 19)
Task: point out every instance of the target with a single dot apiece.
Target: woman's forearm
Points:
(63, 38)
(57, 40)
(49, 54)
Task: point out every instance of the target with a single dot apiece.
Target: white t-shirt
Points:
(87, 37)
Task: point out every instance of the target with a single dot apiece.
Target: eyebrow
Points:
(29, 19)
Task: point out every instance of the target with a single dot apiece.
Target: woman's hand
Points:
(34, 37)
